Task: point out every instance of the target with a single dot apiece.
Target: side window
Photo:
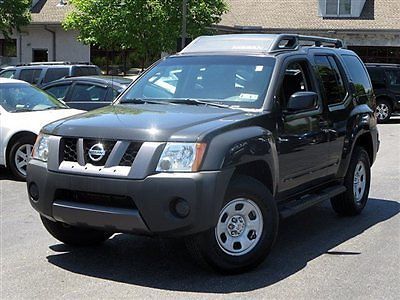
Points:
(58, 91)
(332, 81)
(53, 74)
(393, 77)
(8, 74)
(88, 92)
(296, 79)
(358, 75)
(112, 94)
(30, 75)
(377, 77)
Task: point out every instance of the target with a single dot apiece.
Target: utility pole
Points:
(184, 22)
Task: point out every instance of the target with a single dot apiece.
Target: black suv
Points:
(386, 82)
(42, 73)
(214, 144)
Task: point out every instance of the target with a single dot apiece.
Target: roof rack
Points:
(382, 65)
(293, 41)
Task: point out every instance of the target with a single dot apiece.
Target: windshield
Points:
(230, 80)
(15, 97)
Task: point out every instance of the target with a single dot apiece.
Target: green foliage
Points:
(13, 14)
(147, 26)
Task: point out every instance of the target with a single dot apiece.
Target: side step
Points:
(296, 206)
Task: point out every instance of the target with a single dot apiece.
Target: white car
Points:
(24, 110)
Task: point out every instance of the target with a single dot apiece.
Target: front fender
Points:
(241, 146)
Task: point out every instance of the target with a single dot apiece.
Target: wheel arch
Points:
(14, 138)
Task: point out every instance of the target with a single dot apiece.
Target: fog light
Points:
(34, 191)
(181, 208)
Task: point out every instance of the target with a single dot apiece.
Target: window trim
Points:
(338, 14)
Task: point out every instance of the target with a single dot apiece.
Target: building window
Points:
(338, 8)
(8, 48)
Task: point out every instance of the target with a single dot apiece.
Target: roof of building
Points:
(304, 15)
(50, 11)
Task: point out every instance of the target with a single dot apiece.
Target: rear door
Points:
(88, 96)
(393, 80)
(30, 75)
(53, 74)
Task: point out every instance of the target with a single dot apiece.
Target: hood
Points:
(147, 122)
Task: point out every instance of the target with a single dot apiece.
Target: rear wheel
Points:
(383, 111)
(19, 156)
(357, 182)
(246, 230)
(75, 236)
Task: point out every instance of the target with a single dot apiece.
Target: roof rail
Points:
(292, 42)
(54, 63)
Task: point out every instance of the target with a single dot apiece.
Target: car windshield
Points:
(16, 97)
(240, 81)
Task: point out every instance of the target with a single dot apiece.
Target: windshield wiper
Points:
(21, 110)
(199, 102)
(52, 107)
(140, 101)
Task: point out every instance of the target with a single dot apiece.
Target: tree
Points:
(147, 26)
(13, 15)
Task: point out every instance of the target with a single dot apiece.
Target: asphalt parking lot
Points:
(317, 256)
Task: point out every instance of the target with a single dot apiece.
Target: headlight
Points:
(41, 148)
(181, 157)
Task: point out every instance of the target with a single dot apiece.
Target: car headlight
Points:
(181, 157)
(41, 147)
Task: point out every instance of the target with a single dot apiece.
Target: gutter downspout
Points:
(54, 42)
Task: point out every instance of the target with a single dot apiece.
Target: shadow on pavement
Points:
(5, 174)
(164, 264)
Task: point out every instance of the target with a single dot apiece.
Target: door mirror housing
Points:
(301, 101)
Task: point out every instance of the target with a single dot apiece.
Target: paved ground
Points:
(318, 255)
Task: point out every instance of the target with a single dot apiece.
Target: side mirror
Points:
(302, 101)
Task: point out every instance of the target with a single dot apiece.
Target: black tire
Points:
(346, 204)
(23, 140)
(75, 236)
(205, 247)
(383, 104)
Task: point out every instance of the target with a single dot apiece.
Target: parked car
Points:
(386, 81)
(40, 74)
(88, 93)
(214, 144)
(24, 110)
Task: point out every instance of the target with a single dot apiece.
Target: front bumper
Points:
(152, 212)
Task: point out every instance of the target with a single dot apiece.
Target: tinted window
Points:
(393, 77)
(88, 92)
(8, 74)
(53, 74)
(358, 74)
(377, 77)
(238, 81)
(30, 75)
(58, 91)
(85, 71)
(332, 81)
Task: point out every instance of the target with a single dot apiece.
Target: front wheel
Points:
(357, 183)
(246, 230)
(75, 236)
(19, 156)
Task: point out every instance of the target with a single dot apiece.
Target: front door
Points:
(303, 146)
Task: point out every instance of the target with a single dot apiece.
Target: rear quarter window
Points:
(85, 71)
(358, 75)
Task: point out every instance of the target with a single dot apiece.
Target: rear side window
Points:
(58, 91)
(377, 77)
(88, 92)
(85, 71)
(8, 74)
(358, 75)
(53, 74)
(393, 77)
(332, 81)
(30, 75)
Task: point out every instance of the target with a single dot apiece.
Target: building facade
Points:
(369, 27)
(44, 39)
